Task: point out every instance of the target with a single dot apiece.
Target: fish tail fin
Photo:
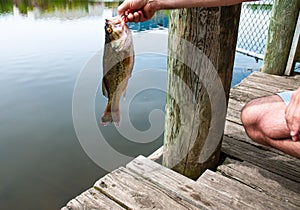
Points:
(115, 108)
(110, 116)
(106, 117)
(116, 117)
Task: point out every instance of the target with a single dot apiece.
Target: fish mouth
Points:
(117, 23)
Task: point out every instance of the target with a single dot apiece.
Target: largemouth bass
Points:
(118, 61)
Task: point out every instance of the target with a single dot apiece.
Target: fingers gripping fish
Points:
(118, 61)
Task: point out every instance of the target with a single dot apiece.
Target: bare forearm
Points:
(176, 4)
(142, 10)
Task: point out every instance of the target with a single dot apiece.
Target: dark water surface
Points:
(43, 48)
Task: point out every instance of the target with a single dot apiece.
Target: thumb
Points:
(131, 5)
(294, 132)
(123, 7)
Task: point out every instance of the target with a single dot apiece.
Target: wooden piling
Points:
(280, 35)
(202, 45)
(294, 55)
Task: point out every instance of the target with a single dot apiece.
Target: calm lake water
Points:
(43, 50)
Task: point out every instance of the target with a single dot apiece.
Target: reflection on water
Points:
(46, 6)
(44, 46)
(65, 9)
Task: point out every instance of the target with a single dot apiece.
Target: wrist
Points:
(155, 5)
(167, 4)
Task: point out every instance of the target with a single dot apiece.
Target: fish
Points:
(118, 62)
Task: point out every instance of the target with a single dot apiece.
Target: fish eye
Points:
(109, 30)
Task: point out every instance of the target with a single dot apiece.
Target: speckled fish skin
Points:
(118, 61)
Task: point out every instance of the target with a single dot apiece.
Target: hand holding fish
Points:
(137, 10)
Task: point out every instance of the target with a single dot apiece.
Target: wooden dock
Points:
(251, 177)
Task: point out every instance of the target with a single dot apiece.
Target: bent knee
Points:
(251, 121)
(249, 114)
(260, 112)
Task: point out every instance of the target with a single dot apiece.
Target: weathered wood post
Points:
(294, 55)
(202, 44)
(280, 35)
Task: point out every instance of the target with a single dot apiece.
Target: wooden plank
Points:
(157, 155)
(236, 104)
(73, 205)
(236, 131)
(293, 50)
(133, 192)
(234, 111)
(199, 194)
(276, 85)
(254, 91)
(233, 116)
(286, 166)
(254, 84)
(92, 199)
(244, 95)
(239, 191)
(271, 184)
(275, 80)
